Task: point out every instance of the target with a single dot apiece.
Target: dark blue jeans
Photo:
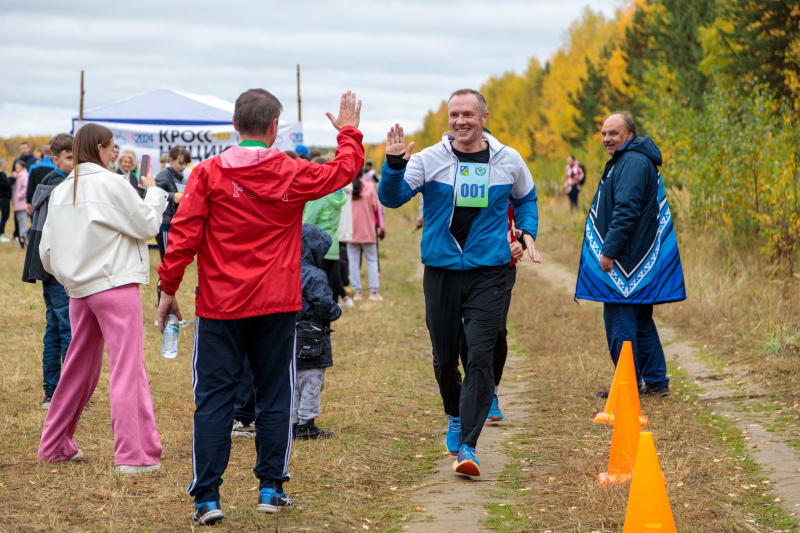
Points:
(625, 322)
(57, 334)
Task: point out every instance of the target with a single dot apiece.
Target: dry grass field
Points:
(381, 400)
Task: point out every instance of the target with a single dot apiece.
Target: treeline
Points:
(715, 83)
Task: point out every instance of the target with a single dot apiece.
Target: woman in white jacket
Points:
(94, 242)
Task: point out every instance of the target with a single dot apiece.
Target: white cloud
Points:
(401, 57)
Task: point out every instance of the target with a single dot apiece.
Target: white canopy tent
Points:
(153, 122)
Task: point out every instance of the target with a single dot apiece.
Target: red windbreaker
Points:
(242, 215)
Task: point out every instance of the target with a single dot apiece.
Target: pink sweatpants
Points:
(112, 317)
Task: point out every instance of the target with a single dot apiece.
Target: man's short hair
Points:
(25, 143)
(61, 142)
(46, 149)
(178, 151)
(478, 96)
(254, 112)
(627, 119)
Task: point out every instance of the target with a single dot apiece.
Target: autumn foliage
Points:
(715, 83)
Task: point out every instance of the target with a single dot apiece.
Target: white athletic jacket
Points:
(100, 242)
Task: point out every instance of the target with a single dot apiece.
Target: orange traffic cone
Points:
(648, 505)
(624, 441)
(626, 371)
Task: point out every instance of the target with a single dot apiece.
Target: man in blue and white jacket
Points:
(466, 181)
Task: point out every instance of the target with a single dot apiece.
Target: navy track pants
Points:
(627, 322)
(217, 366)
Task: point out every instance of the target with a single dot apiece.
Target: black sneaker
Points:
(603, 395)
(656, 392)
(310, 431)
(206, 513)
(46, 401)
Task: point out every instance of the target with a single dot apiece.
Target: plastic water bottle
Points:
(169, 342)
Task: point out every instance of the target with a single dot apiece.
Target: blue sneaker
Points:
(454, 435)
(466, 463)
(269, 501)
(495, 414)
(206, 513)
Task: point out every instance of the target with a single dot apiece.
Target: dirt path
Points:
(453, 503)
(729, 391)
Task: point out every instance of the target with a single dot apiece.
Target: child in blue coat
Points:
(313, 346)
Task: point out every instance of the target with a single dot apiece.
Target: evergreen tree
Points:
(760, 40)
(666, 32)
(595, 98)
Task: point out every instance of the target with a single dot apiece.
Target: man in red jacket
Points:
(241, 215)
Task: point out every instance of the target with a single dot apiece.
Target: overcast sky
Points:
(401, 57)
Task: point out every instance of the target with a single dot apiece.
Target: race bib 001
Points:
(472, 185)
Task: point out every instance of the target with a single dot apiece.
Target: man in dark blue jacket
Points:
(630, 257)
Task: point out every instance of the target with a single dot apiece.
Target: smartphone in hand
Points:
(144, 169)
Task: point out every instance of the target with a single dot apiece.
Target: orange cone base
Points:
(604, 418)
(607, 480)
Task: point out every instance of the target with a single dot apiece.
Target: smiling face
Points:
(467, 120)
(125, 162)
(615, 134)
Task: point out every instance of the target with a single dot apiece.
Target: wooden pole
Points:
(80, 113)
(299, 103)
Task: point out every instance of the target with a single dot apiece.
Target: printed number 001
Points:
(471, 191)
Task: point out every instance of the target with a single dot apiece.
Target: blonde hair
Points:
(132, 155)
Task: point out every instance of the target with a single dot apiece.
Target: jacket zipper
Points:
(141, 260)
(455, 195)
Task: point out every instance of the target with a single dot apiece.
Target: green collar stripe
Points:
(253, 143)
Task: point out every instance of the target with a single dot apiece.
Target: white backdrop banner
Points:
(202, 142)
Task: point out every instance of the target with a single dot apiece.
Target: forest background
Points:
(715, 83)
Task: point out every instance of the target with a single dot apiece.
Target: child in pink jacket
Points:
(365, 210)
(19, 202)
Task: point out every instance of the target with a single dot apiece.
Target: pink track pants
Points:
(113, 317)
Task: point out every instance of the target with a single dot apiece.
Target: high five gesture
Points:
(396, 143)
(349, 112)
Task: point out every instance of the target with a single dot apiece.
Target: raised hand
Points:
(349, 112)
(396, 143)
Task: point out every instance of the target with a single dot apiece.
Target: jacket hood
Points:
(41, 195)
(316, 244)
(643, 145)
(494, 145)
(265, 173)
(336, 199)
